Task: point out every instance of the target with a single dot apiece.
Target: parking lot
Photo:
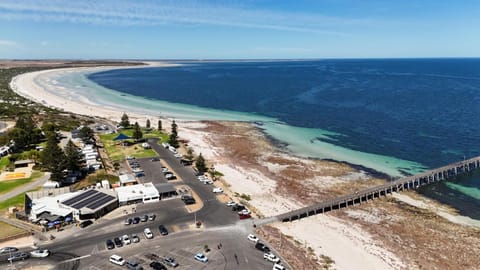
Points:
(182, 247)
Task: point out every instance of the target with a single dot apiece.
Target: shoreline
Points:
(255, 180)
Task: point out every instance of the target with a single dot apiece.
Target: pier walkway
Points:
(406, 183)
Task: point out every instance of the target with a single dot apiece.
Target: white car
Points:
(201, 177)
(148, 233)
(40, 253)
(271, 257)
(244, 212)
(252, 238)
(200, 257)
(217, 190)
(208, 182)
(126, 240)
(231, 203)
(118, 260)
(278, 267)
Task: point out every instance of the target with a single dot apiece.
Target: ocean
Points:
(397, 116)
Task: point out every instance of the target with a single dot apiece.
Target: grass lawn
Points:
(117, 152)
(7, 230)
(6, 186)
(18, 200)
(4, 162)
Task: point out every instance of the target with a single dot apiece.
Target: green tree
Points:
(200, 164)
(20, 137)
(159, 124)
(53, 159)
(86, 134)
(49, 128)
(147, 125)
(173, 139)
(25, 133)
(137, 132)
(189, 154)
(125, 123)
(72, 156)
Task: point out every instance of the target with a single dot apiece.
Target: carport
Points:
(166, 190)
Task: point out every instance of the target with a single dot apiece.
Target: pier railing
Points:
(406, 183)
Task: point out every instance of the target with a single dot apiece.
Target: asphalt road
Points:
(220, 225)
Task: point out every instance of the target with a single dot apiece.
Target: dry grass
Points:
(7, 230)
(292, 251)
(421, 238)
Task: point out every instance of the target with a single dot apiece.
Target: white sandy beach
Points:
(349, 246)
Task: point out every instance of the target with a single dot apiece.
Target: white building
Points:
(137, 193)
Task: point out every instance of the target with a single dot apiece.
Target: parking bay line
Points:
(76, 258)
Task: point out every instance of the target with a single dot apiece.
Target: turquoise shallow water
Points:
(305, 142)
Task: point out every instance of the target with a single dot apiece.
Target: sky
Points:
(243, 29)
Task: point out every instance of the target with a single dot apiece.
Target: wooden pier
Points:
(411, 182)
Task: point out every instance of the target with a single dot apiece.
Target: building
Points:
(166, 190)
(60, 204)
(137, 193)
(24, 163)
(127, 179)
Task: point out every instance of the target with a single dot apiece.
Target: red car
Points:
(242, 216)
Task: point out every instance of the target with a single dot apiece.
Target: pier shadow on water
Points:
(461, 193)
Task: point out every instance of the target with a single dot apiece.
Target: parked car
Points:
(126, 240)
(151, 217)
(238, 207)
(244, 212)
(118, 242)
(144, 218)
(200, 257)
(133, 265)
(217, 190)
(244, 216)
(40, 253)
(170, 177)
(252, 238)
(128, 221)
(170, 261)
(231, 203)
(18, 256)
(271, 257)
(189, 201)
(135, 238)
(86, 223)
(157, 266)
(261, 246)
(148, 233)
(155, 159)
(8, 250)
(109, 244)
(163, 230)
(136, 220)
(278, 267)
(208, 182)
(116, 259)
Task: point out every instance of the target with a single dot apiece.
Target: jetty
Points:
(361, 196)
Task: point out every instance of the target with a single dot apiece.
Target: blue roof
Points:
(121, 136)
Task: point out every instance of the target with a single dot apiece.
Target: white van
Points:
(278, 267)
(117, 260)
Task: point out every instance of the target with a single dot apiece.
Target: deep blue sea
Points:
(422, 110)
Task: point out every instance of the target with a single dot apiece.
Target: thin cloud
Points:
(171, 12)
(4, 42)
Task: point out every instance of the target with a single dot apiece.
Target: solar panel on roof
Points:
(88, 200)
(79, 197)
(100, 202)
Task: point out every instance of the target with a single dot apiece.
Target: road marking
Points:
(76, 258)
(95, 250)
